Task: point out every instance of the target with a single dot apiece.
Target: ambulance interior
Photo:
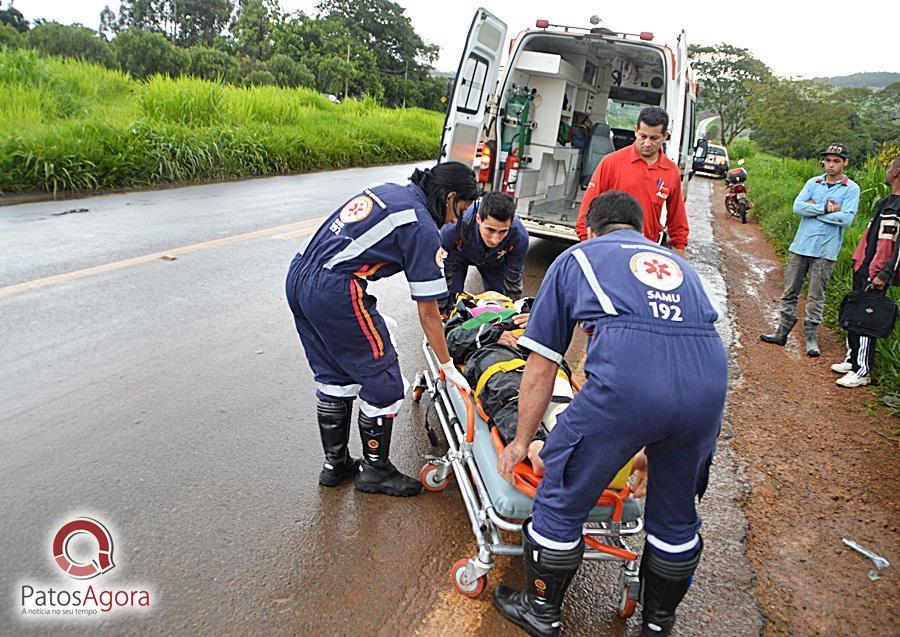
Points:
(568, 101)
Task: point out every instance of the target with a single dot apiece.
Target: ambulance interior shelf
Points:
(540, 106)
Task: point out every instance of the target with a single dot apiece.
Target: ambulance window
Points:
(471, 85)
(490, 36)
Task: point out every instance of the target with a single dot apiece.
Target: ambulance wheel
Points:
(468, 589)
(428, 478)
(627, 605)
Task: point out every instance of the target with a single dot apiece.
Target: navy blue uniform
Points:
(501, 268)
(656, 377)
(382, 231)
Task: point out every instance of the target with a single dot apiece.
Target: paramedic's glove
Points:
(454, 376)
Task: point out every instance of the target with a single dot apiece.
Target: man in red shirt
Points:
(643, 171)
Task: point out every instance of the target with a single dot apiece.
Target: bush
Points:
(10, 38)
(741, 148)
(288, 73)
(259, 77)
(210, 64)
(76, 41)
(142, 54)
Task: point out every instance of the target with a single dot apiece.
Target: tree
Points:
(252, 29)
(10, 38)
(727, 75)
(75, 41)
(210, 64)
(326, 47)
(382, 26)
(200, 21)
(797, 118)
(14, 18)
(108, 24)
(142, 54)
(289, 73)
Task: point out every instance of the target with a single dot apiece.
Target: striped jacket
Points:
(879, 248)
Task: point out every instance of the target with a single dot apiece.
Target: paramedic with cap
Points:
(656, 378)
(383, 230)
(490, 237)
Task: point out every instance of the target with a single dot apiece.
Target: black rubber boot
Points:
(334, 428)
(376, 473)
(779, 337)
(812, 343)
(548, 573)
(663, 585)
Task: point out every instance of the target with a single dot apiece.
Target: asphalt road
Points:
(169, 399)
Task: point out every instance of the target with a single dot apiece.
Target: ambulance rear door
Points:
(476, 78)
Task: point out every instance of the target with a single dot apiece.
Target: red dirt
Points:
(821, 461)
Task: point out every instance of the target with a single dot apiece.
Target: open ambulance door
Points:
(476, 78)
(683, 120)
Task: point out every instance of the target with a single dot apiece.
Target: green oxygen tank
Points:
(516, 124)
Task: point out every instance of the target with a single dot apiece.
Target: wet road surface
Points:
(169, 399)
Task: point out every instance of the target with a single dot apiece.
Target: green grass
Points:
(773, 184)
(67, 125)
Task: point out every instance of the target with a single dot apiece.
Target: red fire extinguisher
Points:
(511, 173)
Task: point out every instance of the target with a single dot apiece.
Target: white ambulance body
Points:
(566, 97)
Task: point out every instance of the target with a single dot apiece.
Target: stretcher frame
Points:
(604, 541)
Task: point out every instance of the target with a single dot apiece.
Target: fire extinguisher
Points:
(511, 173)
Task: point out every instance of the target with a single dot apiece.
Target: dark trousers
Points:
(860, 349)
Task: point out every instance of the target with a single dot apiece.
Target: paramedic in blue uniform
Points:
(656, 379)
(383, 230)
(490, 237)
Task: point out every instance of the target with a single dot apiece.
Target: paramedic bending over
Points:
(383, 230)
(656, 378)
(490, 237)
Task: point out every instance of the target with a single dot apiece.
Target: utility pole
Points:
(405, 82)
(347, 76)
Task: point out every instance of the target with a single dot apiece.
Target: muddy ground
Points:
(821, 462)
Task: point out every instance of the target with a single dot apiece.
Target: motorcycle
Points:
(736, 202)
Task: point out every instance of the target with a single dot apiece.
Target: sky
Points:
(796, 39)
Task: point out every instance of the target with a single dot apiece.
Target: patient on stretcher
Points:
(482, 334)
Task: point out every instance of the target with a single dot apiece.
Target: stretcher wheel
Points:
(428, 478)
(470, 589)
(627, 605)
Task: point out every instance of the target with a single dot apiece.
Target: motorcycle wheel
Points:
(743, 208)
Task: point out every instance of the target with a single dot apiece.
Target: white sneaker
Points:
(851, 379)
(842, 368)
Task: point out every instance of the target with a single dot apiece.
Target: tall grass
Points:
(67, 125)
(773, 184)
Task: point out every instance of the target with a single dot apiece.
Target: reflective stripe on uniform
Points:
(372, 236)
(588, 271)
(672, 548)
(428, 288)
(543, 350)
(339, 391)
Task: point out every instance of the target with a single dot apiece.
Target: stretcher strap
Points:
(505, 366)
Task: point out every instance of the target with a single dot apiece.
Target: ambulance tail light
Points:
(487, 163)
(542, 24)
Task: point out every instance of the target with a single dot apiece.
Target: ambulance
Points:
(535, 119)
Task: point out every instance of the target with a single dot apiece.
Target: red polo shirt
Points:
(651, 185)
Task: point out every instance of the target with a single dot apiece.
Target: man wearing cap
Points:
(826, 206)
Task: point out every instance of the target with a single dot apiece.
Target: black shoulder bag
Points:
(868, 313)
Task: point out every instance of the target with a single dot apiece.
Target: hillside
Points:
(870, 80)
